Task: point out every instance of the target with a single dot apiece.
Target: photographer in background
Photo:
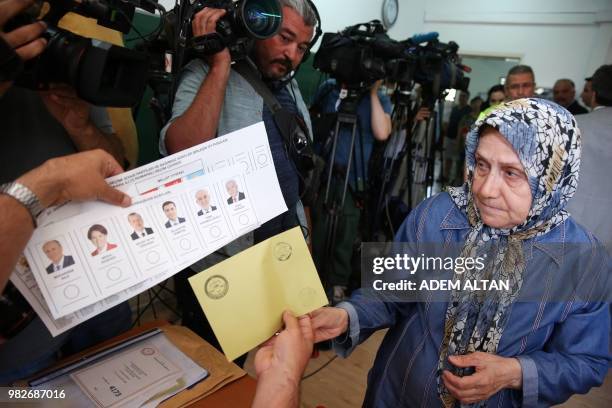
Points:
(37, 127)
(374, 124)
(212, 99)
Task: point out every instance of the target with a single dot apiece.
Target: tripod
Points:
(425, 154)
(395, 150)
(334, 199)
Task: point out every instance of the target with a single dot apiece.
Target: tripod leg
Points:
(349, 164)
(335, 208)
(331, 164)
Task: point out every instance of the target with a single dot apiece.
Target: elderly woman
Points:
(489, 348)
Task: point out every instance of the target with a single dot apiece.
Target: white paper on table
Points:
(243, 156)
(189, 374)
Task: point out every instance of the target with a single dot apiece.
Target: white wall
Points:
(558, 38)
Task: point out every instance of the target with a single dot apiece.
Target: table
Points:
(238, 394)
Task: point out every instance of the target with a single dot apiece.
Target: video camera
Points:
(101, 73)
(245, 21)
(364, 53)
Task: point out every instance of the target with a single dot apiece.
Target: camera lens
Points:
(261, 18)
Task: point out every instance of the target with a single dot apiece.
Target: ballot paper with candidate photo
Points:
(113, 250)
(244, 296)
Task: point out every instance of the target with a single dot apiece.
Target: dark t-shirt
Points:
(24, 119)
(576, 109)
(31, 136)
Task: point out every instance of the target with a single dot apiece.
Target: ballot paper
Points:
(105, 257)
(142, 375)
(24, 281)
(244, 296)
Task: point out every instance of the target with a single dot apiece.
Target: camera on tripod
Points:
(101, 73)
(353, 57)
(245, 21)
(363, 53)
(437, 67)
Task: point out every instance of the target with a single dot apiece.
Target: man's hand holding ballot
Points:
(280, 362)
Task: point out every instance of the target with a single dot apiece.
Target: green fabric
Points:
(148, 131)
(338, 271)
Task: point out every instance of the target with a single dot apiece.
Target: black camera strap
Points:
(246, 69)
(285, 121)
(291, 127)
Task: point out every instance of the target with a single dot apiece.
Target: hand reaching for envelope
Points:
(329, 323)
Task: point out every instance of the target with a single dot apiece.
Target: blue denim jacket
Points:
(562, 346)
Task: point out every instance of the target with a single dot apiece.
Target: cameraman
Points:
(37, 127)
(374, 124)
(212, 99)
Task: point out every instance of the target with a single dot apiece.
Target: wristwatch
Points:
(25, 196)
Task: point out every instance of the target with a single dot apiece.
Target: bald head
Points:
(54, 251)
(564, 92)
(203, 198)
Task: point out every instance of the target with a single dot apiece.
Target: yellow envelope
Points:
(244, 296)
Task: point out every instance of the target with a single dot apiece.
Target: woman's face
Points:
(98, 239)
(500, 187)
(496, 98)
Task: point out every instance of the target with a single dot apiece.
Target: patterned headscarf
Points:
(547, 140)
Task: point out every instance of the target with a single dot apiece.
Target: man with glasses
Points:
(520, 82)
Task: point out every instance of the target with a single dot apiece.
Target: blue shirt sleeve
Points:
(344, 344)
(385, 101)
(324, 92)
(371, 311)
(579, 344)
